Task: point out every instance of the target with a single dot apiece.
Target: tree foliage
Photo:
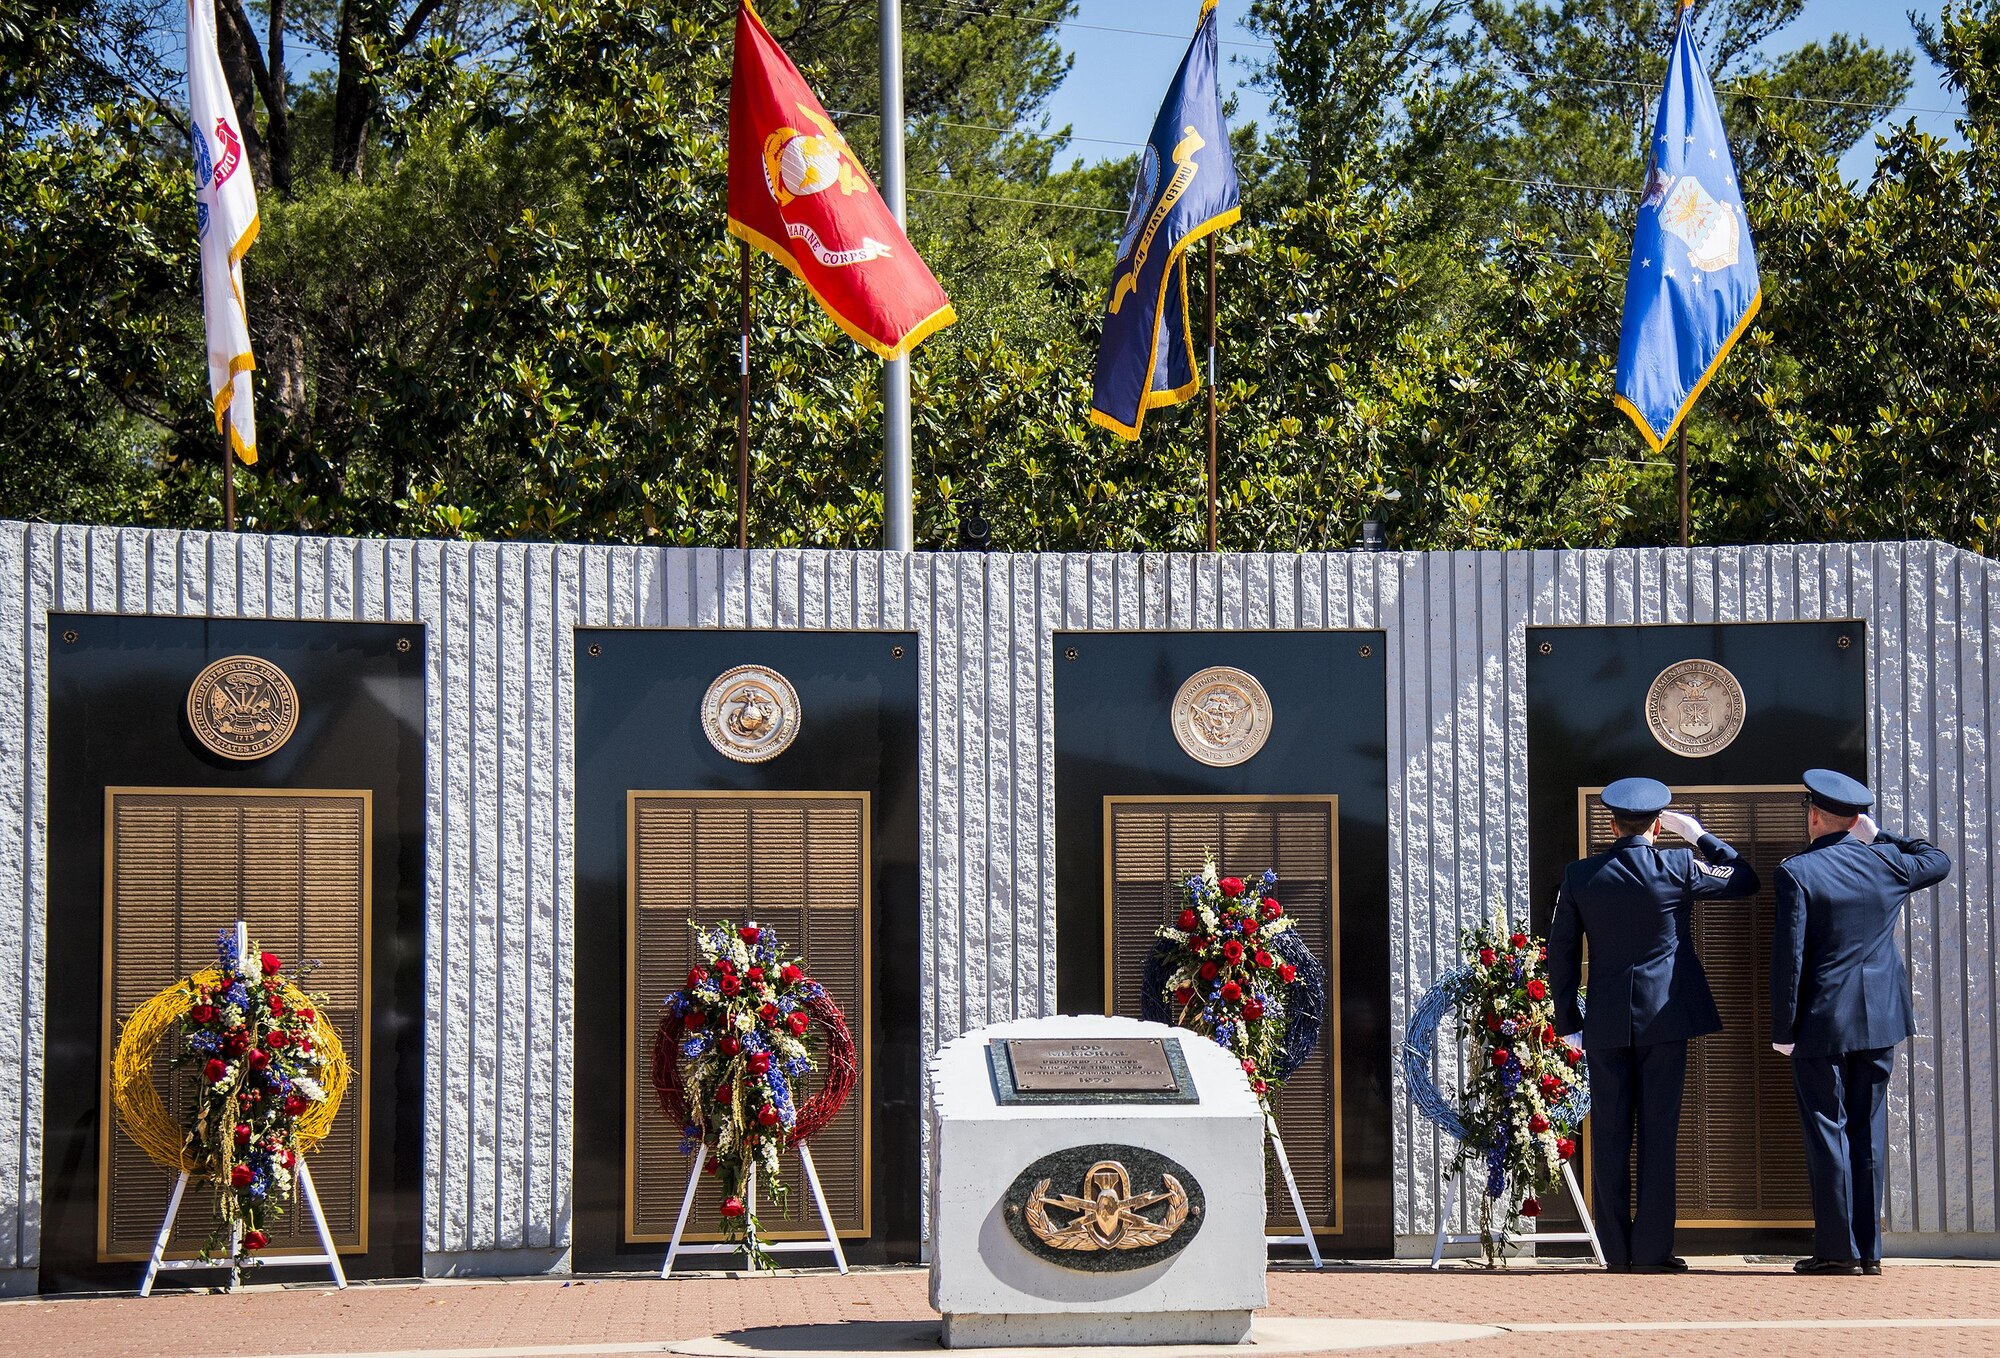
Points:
(492, 296)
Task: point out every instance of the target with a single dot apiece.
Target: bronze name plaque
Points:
(1110, 1065)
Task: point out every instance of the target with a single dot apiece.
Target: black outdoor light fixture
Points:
(975, 534)
(1374, 536)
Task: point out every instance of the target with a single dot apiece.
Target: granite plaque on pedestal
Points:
(1086, 1070)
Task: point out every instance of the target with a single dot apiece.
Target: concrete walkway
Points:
(1725, 1307)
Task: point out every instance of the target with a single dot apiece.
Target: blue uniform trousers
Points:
(1635, 1087)
(1844, 1110)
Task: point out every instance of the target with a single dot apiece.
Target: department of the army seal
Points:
(242, 707)
(1222, 716)
(1695, 708)
(751, 713)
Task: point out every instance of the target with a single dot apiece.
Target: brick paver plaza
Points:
(1725, 1307)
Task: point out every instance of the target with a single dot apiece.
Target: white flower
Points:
(309, 1088)
(745, 1022)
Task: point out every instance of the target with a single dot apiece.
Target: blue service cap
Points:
(1633, 797)
(1836, 793)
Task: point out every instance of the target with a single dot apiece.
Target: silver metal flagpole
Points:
(897, 526)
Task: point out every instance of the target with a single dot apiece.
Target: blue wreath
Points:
(1305, 997)
(1420, 1050)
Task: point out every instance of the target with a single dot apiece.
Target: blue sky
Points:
(1115, 85)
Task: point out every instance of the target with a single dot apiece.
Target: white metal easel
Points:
(1586, 1236)
(675, 1248)
(1305, 1235)
(327, 1255)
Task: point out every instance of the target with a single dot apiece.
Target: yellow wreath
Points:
(136, 1100)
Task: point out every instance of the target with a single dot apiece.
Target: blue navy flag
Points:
(1186, 189)
(1691, 289)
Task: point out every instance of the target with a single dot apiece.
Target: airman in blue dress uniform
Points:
(1840, 1002)
(1634, 905)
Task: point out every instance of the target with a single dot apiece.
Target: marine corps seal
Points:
(242, 707)
(1695, 708)
(751, 713)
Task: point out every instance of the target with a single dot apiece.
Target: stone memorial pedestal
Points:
(1094, 1181)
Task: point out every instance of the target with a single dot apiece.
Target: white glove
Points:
(1865, 829)
(1682, 824)
(1574, 1041)
(1783, 1048)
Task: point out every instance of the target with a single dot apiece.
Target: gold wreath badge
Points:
(1108, 1212)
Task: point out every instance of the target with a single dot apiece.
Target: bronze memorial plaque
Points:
(1090, 1070)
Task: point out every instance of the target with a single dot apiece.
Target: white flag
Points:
(225, 217)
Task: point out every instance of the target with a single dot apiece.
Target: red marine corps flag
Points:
(797, 192)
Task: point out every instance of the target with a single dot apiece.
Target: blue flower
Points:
(1270, 877)
(1507, 1027)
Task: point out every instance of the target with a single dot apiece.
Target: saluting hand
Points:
(1682, 824)
(1865, 829)
(1783, 1048)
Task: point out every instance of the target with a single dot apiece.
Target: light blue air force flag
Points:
(1692, 288)
(1186, 189)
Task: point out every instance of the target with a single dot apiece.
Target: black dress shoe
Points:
(1674, 1265)
(1872, 1267)
(1842, 1267)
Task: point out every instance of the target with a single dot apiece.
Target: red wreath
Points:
(842, 1068)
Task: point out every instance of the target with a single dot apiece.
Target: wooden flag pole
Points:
(743, 410)
(1681, 462)
(228, 483)
(1211, 393)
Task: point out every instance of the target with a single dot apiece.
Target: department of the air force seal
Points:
(1222, 716)
(751, 713)
(242, 707)
(1695, 708)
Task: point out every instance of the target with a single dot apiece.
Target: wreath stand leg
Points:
(158, 1260)
(1586, 1236)
(675, 1248)
(1305, 1235)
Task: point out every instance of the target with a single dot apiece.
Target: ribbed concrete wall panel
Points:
(500, 785)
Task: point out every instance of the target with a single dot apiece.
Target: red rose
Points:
(1537, 989)
(1565, 1147)
(729, 985)
(1487, 957)
(729, 1045)
(1232, 887)
(1259, 1086)
(767, 1116)
(1262, 959)
(791, 975)
(306, 1014)
(277, 1004)
(258, 1059)
(255, 1240)
(1233, 950)
(1517, 941)
(236, 1042)
(1253, 1009)
(749, 933)
(1208, 970)
(798, 1023)
(1572, 1055)
(1272, 910)
(240, 1175)
(1500, 1055)
(768, 1013)
(1551, 1086)
(1247, 924)
(1231, 992)
(724, 1093)
(1189, 920)
(696, 975)
(1492, 1023)
(270, 963)
(1530, 1207)
(1184, 994)
(760, 1063)
(288, 1159)
(202, 1013)
(1548, 1032)
(694, 1018)
(755, 973)
(1287, 972)
(1538, 1124)
(295, 1104)
(1249, 1066)
(732, 1207)
(276, 1038)
(725, 967)
(242, 1133)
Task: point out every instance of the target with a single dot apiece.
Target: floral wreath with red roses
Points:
(1525, 1094)
(727, 1062)
(1233, 967)
(260, 1047)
